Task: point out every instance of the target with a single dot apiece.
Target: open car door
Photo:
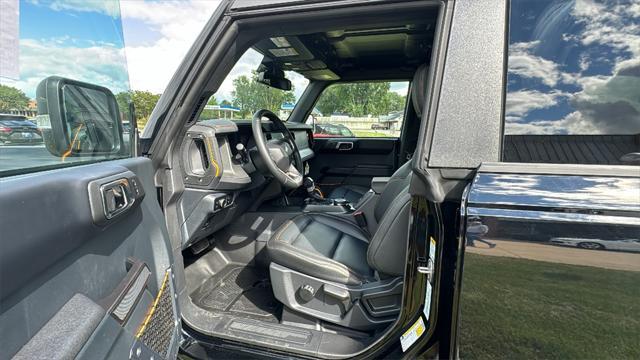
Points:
(86, 262)
(77, 284)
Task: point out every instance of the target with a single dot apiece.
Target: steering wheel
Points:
(280, 156)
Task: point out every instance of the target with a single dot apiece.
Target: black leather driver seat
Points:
(336, 249)
(325, 246)
(326, 266)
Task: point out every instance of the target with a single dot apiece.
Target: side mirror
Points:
(271, 75)
(84, 118)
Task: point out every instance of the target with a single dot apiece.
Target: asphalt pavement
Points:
(25, 156)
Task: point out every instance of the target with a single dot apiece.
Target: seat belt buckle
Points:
(361, 220)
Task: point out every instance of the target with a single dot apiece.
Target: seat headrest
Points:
(419, 88)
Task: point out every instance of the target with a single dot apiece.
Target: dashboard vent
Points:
(199, 163)
(196, 109)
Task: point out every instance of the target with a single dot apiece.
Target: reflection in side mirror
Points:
(271, 75)
(84, 118)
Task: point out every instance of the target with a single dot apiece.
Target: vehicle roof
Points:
(389, 51)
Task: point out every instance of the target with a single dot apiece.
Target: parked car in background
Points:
(17, 129)
(379, 126)
(632, 245)
(332, 130)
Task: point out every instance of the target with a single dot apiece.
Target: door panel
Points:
(551, 266)
(73, 284)
(352, 161)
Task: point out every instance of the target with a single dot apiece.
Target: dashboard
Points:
(301, 132)
(218, 174)
(210, 155)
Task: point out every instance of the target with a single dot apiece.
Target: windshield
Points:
(240, 95)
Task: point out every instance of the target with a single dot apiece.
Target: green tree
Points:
(250, 96)
(123, 98)
(12, 98)
(360, 99)
(210, 114)
(226, 103)
(143, 101)
(394, 102)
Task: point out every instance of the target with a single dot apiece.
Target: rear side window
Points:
(573, 91)
(362, 109)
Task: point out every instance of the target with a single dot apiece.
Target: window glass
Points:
(82, 42)
(362, 109)
(573, 91)
(240, 95)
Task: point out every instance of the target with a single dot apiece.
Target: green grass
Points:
(522, 309)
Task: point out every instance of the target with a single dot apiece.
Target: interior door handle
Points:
(344, 145)
(116, 197)
(113, 196)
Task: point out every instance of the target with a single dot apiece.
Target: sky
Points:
(574, 66)
(158, 35)
(131, 44)
(128, 44)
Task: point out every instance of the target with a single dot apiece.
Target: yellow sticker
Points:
(412, 335)
(432, 249)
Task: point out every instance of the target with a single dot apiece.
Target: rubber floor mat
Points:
(240, 290)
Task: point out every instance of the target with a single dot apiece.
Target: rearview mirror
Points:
(271, 75)
(83, 119)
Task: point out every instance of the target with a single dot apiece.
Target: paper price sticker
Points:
(427, 300)
(412, 335)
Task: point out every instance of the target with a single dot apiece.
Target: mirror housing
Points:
(84, 119)
(272, 75)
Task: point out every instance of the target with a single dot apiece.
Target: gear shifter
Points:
(310, 186)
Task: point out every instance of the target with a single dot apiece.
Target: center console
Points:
(341, 206)
(317, 203)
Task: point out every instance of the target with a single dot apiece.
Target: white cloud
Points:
(634, 10)
(522, 62)
(573, 123)
(177, 23)
(589, 118)
(248, 62)
(609, 25)
(520, 103)
(298, 81)
(107, 7)
(103, 65)
(400, 88)
(606, 103)
(532, 128)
